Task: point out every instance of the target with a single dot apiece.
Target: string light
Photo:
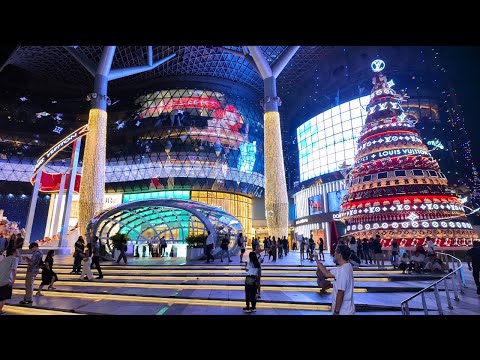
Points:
(276, 199)
(92, 186)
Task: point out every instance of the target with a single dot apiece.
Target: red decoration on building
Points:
(410, 200)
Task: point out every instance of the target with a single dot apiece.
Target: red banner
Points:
(51, 182)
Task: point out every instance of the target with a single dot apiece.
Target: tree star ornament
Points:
(377, 65)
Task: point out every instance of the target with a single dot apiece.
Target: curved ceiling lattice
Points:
(54, 62)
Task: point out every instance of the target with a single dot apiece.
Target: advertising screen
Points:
(315, 205)
(329, 139)
(334, 200)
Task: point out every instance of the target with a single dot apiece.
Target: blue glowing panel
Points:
(247, 157)
(334, 200)
(329, 139)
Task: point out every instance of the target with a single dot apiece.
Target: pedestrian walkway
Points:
(169, 286)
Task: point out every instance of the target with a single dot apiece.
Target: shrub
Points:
(196, 241)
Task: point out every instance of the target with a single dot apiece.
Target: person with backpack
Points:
(33, 268)
(241, 245)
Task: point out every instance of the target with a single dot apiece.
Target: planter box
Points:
(194, 253)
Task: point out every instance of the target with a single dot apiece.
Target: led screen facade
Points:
(329, 139)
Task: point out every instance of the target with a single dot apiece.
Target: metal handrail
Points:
(457, 269)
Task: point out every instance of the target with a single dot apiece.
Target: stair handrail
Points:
(457, 273)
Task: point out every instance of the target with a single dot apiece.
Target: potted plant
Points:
(195, 246)
(117, 240)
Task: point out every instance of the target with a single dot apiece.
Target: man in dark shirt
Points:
(474, 254)
(96, 257)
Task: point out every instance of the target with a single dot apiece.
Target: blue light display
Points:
(247, 157)
(329, 139)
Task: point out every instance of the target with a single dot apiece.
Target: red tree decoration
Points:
(396, 188)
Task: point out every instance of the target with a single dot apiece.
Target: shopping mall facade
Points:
(185, 138)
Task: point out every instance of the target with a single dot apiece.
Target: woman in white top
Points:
(8, 273)
(87, 261)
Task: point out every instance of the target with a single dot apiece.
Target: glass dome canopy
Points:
(149, 220)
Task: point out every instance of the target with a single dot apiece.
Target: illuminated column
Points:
(276, 199)
(92, 185)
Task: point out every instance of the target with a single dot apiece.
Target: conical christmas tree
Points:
(395, 188)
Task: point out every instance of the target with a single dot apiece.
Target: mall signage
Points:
(55, 149)
(394, 152)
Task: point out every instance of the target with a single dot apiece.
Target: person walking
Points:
(163, 246)
(320, 248)
(224, 247)
(87, 262)
(33, 268)
(241, 245)
(19, 242)
(273, 249)
(8, 274)
(48, 275)
(343, 284)
(122, 248)
(395, 253)
(210, 243)
(96, 257)
(258, 251)
(366, 250)
(285, 246)
(379, 253)
(251, 283)
(77, 255)
(474, 254)
(302, 248)
(360, 249)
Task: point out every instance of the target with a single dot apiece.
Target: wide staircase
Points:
(206, 289)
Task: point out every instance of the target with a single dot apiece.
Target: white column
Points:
(31, 211)
(56, 218)
(68, 200)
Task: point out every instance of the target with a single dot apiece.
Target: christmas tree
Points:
(396, 188)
